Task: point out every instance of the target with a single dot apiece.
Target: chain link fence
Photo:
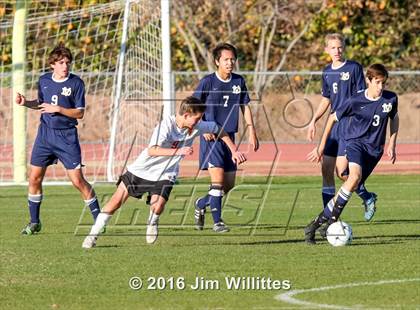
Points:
(284, 102)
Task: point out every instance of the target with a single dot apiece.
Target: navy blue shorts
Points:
(52, 145)
(359, 153)
(335, 146)
(216, 154)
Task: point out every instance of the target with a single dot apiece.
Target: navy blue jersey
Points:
(339, 84)
(368, 118)
(69, 94)
(222, 99)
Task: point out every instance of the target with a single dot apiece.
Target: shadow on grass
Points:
(384, 222)
(384, 239)
(360, 241)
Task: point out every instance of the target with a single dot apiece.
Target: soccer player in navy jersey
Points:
(61, 100)
(224, 93)
(367, 115)
(340, 80)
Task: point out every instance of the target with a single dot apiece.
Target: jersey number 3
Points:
(376, 119)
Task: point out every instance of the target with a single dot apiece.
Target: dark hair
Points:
(217, 51)
(191, 105)
(375, 71)
(58, 53)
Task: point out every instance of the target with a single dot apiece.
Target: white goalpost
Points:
(121, 50)
(143, 84)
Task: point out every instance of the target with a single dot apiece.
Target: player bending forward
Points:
(156, 168)
(368, 113)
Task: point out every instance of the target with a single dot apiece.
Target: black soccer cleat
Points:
(310, 233)
(323, 230)
(199, 216)
(31, 228)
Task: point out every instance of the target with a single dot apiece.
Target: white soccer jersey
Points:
(167, 135)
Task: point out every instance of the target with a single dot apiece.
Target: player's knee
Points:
(80, 184)
(35, 180)
(353, 180)
(159, 207)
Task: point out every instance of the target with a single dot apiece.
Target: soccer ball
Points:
(339, 234)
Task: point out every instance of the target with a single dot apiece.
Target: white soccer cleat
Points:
(152, 233)
(370, 207)
(220, 227)
(89, 242)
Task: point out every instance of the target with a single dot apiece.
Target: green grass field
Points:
(51, 270)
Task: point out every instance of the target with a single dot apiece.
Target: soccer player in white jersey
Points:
(368, 113)
(156, 168)
(341, 79)
(61, 100)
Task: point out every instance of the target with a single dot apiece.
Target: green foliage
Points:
(86, 36)
(383, 31)
(377, 31)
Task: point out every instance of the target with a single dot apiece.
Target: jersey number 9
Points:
(54, 100)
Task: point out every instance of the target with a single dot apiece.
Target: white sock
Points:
(100, 222)
(153, 218)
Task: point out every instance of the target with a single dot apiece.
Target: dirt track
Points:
(277, 118)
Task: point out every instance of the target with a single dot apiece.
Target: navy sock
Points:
(93, 205)
(34, 204)
(328, 193)
(342, 199)
(215, 200)
(333, 209)
(203, 202)
(362, 192)
(320, 219)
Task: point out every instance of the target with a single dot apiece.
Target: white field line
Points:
(289, 296)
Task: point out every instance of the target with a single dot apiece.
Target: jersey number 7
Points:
(226, 98)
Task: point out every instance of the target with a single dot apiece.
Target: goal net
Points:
(116, 48)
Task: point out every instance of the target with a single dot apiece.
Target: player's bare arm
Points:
(162, 151)
(252, 134)
(31, 104)
(237, 156)
(51, 108)
(320, 111)
(391, 150)
(209, 136)
(317, 152)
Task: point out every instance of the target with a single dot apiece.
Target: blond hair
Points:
(334, 36)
